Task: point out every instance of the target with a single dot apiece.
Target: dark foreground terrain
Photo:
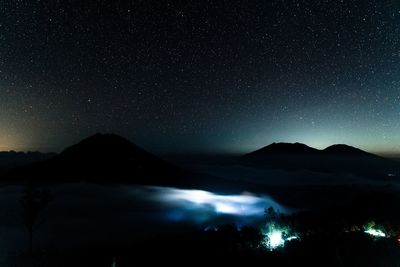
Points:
(226, 246)
(332, 236)
(112, 204)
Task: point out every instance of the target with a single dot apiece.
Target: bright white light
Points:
(225, 208)
(291, 238)
(275, 239)
(374, 232)
(196, 196)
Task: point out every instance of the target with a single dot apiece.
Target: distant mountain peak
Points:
(104, 138)
(342, 149)
(285, 148)
(339, 158)
(296, 148)
(107, 158)
(110, 146)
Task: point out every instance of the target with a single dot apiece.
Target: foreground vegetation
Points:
(335, 236)
(226, 245)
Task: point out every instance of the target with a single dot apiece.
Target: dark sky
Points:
(200, 76)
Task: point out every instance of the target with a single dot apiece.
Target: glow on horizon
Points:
(317, 133)
(387, 148)
(9, 143)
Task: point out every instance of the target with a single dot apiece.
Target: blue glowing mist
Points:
(202, 206)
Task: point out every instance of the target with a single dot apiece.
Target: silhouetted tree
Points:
(33, 201)
(270, 214)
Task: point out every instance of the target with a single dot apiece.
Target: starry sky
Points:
(200, 76)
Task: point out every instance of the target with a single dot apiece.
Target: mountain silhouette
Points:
(345, 150)
(338, 158)
(285, 148)
(101, 158)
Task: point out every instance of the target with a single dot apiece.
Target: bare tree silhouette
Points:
(33, 201)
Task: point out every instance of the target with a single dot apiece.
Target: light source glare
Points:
(275, 239)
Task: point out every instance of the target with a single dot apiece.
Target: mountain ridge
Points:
(297, 147)
(100, 158)
(338, 158)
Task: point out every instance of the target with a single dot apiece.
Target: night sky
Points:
(200, 76)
